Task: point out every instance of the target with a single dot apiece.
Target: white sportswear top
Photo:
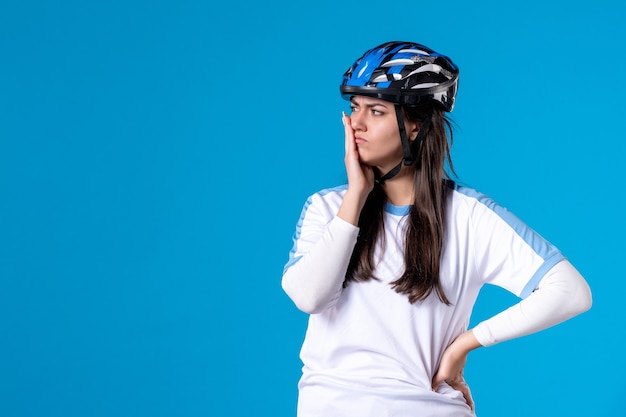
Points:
(367, 350)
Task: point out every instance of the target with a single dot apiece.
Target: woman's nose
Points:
(356, 121)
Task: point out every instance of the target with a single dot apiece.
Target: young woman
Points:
(390, 265)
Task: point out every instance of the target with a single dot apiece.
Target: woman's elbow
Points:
(586, 298)
(304, 303)
(578, 301)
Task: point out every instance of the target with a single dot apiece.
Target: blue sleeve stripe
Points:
(292, 260)
(541, 272)
(549, 253)
(296, 236)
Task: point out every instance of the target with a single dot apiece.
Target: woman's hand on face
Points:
(360, 176)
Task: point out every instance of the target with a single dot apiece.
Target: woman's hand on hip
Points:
(452, 363)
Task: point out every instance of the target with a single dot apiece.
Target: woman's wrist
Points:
(466, 342)
(351, 207)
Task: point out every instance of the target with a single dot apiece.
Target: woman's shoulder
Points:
(478, 205)
(326, 200)
(336, 190)
(470, 195)
(329, 194)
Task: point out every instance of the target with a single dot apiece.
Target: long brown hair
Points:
(426, 222)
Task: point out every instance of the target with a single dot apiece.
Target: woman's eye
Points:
(377, 112)
(353, 109)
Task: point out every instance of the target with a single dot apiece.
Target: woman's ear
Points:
(412, 130)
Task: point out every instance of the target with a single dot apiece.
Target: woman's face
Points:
(376, 132)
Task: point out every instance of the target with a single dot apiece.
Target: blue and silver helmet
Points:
(404, 73)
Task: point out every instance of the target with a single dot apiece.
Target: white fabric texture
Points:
(366, 347)
(561, 294)
(315, 282)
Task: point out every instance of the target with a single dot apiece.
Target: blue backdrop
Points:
(155, 155)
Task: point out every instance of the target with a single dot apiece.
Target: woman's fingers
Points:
(460, 385)
(349, 133)
(360, 176)
(352, 161)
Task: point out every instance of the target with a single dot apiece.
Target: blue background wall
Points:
(155, 155)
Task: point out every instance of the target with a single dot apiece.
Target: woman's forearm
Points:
(315, 281)
(562, 293)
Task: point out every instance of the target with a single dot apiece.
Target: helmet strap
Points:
(406, 146)
(421, 135)
(407, 158)
(394, 171)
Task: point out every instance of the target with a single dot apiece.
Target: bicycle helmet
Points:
(406, 74)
